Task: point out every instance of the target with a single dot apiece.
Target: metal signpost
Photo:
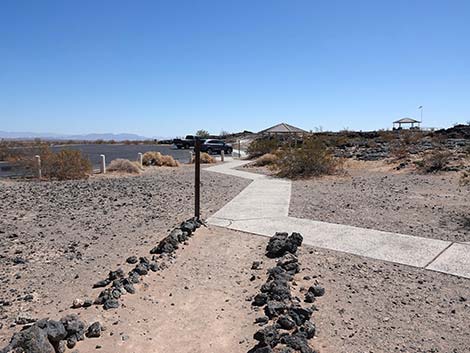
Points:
(197, 179)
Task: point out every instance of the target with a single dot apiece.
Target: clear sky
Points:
(164, 68)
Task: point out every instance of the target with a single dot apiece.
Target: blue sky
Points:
(164, 68)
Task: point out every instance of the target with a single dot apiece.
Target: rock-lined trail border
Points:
(263, 208)
(49, 336)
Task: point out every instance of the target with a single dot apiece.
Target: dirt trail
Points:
(196, 305)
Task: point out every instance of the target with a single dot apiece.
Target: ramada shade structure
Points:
(405, 121)
(283, 129)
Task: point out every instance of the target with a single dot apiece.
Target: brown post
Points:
(197, 179)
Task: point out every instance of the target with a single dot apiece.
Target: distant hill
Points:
(84, 137)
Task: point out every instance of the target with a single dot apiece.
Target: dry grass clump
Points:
(434, 161)
(312, 159)
(169, 161)
(124, 166)
(157, 159)
(264, 160)
(206, 158)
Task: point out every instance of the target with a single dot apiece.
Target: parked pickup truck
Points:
(185, 143)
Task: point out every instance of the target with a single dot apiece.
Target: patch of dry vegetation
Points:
(206, 158)
(399, 151)
(434, 162)
(124, 166)
(313, 158)
(267, 159)
(63, 165)
(465, 178)
(159, 160)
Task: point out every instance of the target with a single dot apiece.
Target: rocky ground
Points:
(374, 195)
(373, 306)
(57, 238)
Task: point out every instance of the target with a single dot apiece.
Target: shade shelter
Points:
(406, 121)
(283, 129)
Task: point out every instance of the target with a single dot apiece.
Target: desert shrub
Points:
(465, 178)
(202, 134)
(434, 161)
(399, 150)
(466, 152)
(262, 146)
(387, 135)
(6, 152)
(264, 160)
(157, 159)
(152, 158)
(124, 165)
(65, 165)
(411, 136)
(312, 159)
(169, 161)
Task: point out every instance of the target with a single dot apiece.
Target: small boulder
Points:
(94, 330)
(132, 260)
(317, 291)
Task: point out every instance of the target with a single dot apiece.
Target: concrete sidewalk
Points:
(263, 208)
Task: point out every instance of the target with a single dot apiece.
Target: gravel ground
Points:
(432, 205)
(373, 306)
(72, 233)
(58, 238)
(201, 303)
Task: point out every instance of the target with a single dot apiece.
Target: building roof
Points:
(283, 128)
(406, 121)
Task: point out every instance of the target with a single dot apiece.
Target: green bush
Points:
(202, 134)
(312, 159)
(262, 146)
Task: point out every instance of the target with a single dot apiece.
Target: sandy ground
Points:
(71, 234)
(199, 303)
(196, 305)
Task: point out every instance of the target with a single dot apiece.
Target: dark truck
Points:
(185, 143)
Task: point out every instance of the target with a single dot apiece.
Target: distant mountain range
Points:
(84, 137)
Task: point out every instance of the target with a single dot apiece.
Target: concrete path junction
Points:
(263, 208)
